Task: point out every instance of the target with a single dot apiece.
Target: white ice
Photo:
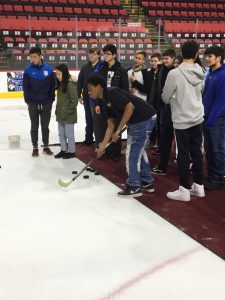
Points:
(84, 243)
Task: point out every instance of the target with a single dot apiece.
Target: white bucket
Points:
(14, 141)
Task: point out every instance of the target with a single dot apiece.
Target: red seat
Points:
(48, 9)
(63, 41)
(39, 9)
(87, 11)
(28, 8)
(82, 2)
(18, 8)
(83, 41)
(114, 12)
(8, 39)
(58, 9)
(8, 8)
(77, 10)
(68, 10)
(96, 11)
(123, 12)
(93, 41)
(108, 2)
(116, 2)
(99, 2)
(105, 11)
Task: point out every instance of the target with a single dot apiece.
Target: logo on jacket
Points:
(46, 73)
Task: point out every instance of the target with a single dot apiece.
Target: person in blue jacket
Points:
(39, 94)
(214, 124)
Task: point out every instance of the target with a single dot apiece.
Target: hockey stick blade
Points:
(66, 184)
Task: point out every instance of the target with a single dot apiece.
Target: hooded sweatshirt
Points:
(214, 96)
(183, 91)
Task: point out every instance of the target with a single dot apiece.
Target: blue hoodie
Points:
(39, 84)
(214, 96)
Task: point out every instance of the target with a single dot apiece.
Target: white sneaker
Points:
(197, 190)
(181, 194)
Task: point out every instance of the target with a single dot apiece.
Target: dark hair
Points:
(189, 49)
(142, 52)
(35, 50)
(217, 51)
(169, 52)
(111, 48)
(65, 77)
(179, 58)
(97, 80)
(95, 50)
(157, 54)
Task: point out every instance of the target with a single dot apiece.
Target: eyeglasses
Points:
(107, 53)
(93, 53)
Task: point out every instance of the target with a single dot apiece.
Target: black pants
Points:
(88, 120)
(42, 111)
(189, 143)
(166, 136)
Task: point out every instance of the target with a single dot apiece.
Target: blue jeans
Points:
(214, 144)
(137, 163)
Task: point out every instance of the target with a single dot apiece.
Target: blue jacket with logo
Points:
(39, 84)
(214, 96)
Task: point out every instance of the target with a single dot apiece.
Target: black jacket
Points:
(85, 73)
(148, 79)
(119, 77)
(160, 85)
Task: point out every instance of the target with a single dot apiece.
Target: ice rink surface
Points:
(83, 242)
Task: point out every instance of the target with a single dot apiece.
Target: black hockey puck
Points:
(88, 169)
(97, 173)
(74, 172)
(85, 176)
(92, 170)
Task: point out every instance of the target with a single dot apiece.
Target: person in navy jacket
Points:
(39, 94)
(214, 124)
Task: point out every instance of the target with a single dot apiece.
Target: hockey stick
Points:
(66, 184)
(51, 145)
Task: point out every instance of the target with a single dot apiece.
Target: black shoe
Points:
(147, 187)
(69, 155)
(210, 185)
(86, 143)
(130, 192)
(60, 154)
(158, 171)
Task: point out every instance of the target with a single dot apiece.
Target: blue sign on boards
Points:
(15, 81)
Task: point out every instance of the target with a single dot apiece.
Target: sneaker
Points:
(35, 152)
(211, 185)
(197, 190)
(147, 187)
(47, 151)
(86, 143)
(60, 154)
(158, 171)
(181, 194)
(130, 192)
(69, 155)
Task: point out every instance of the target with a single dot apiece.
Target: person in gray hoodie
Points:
(183, 90)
